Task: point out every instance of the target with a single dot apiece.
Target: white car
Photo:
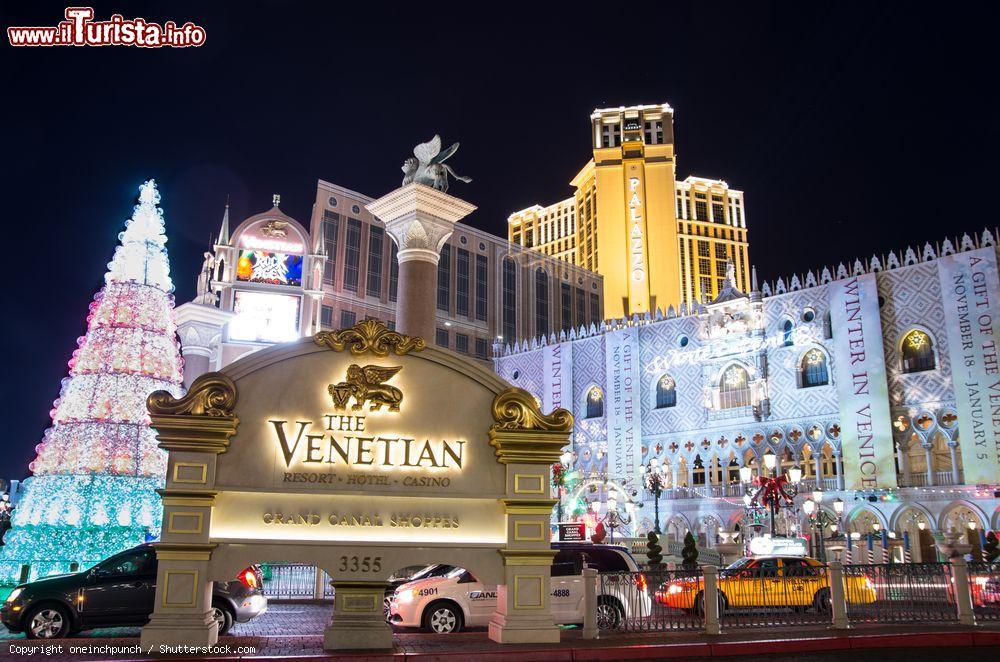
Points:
(457, 599)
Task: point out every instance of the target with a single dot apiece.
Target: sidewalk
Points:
(819, 643)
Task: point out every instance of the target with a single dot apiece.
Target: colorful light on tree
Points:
(98, 466)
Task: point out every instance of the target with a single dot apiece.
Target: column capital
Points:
(420, 219)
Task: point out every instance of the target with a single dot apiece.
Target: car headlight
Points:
(15, 594)
(404, 597)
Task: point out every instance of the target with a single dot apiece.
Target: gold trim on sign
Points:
(173, 514)
(541, 597)
(539, 537)
(369, 336)
(166, 589)
(212, 394)
(191, 465)
(519, 478)
(516, 409)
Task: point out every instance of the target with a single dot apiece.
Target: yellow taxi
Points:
(799, 582)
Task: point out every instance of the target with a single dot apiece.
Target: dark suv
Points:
(117, 592)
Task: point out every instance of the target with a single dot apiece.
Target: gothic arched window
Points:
(813, 369)
(786, 333)
(918, 352)
(666, 392)
(734, 389)
(595, 402)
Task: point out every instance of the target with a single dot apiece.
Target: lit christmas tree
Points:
(98, 466)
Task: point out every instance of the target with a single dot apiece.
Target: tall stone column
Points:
(420, 219)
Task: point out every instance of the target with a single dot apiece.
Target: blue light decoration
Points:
(93, 489)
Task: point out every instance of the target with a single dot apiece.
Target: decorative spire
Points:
(753, 278)
(319, 247)
(276, 199)
(224, 230)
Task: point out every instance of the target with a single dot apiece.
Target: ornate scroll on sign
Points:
(861, 384)
(970, 294)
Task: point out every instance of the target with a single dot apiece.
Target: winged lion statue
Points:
(427, 165)
(367, 383)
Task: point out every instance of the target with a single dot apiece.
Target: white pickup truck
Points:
(456, 600)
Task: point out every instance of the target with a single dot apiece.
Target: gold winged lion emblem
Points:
(364, 384)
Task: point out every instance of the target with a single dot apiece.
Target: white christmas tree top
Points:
(142, 256)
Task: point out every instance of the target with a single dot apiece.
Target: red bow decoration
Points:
(771, 490)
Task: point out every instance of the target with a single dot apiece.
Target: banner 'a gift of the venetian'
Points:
(862, 391)
(622, 403)
(970, 291)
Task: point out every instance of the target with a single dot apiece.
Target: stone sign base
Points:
(172, 629)
(358, 622)
(507, 628)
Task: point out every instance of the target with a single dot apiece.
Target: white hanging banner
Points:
(557, 373)
(621, 403)
(970, 291)
(862, 391)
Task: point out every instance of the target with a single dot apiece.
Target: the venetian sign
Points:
(336, 447)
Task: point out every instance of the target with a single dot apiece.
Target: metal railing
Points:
(654, 599)
(766, 597)
(295, 581)
(900, 593)
(984, 582)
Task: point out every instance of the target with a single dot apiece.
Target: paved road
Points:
(280, 620)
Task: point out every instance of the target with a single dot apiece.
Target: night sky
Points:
(852, 128)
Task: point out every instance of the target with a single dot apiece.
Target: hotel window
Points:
(331, 230)
(462, 283)
(595, 402)
(462, 343)
(734, 388)
(705, 266)
(595, 309)
(481, 348)
(541, 303)
(481, 285)
(718, 212)
(373, 286)
(393, 271)
(326, 317)
(509, 305)
(666, 392)
(812, 369)
(703, 248)
(654, 132)
(720, 252)
(441, 337)
(611, 135)
(581, 307)
(687, 208)
(701, 211)
(706, 287)
(352, 254)
(444, 279)
(565, 306)
(918, 352)
(679, 206)
(347, 319)
(720, 268)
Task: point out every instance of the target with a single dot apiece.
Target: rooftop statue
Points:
(427, 165)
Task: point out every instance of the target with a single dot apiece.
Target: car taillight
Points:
(640, 581)
(248, 577)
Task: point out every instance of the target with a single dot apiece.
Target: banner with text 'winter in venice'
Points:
(557, 364)
(970, 291)
(622, 403)
(861, 384)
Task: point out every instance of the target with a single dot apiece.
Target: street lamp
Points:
(614, 519)
(770, 460)
(655, 481)
(819, 520)
(746, 474)
(772, 489)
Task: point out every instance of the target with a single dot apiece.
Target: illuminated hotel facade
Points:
(868, 378)
(657, 242)
(273, 279)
